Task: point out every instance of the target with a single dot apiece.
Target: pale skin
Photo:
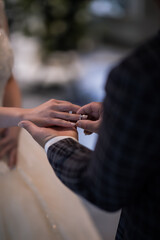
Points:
(94, 112)
(50, 113)
(9, 136)
(42, 135)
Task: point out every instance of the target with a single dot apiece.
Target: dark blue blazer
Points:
(124, 170)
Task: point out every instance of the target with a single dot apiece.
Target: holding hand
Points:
(61, 127)
(42, 135)
(94, 112)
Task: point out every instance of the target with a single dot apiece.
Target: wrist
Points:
(25, 114)
(56, 139)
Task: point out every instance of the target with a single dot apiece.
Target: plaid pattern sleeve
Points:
(124, 170)
(70, 161)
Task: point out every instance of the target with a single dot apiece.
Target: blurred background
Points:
(64, 49)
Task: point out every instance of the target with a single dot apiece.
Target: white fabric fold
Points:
(55, 140)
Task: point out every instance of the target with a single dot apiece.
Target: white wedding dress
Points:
(34, 205)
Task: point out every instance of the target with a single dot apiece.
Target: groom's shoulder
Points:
(140, 66)
(144, 56)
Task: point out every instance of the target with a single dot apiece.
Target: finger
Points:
(29, 126)
(59, 122)
(66, 107)
(66, 103)
(40, 135)
(93, 110)
(5, 150)
(2, 131)
(4, 141)
(87, 125)
(12, 161)
(86, 109)
(66, 116)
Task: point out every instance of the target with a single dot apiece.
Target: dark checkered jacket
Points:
(124, 170)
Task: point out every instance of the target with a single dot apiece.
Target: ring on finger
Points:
(81, 117)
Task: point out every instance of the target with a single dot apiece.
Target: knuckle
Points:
(52, 101)
(66, 116)
(63, 103)
(70, 105)
(55, 122)
(61, 122)
(50, 115)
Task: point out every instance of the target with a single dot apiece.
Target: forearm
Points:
(11, 113)
(3, 23)
(6, 28)
(12, 95)
(10, 117)
(70, 161)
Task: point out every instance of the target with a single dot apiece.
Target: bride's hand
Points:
(53, 113)
(8, 145)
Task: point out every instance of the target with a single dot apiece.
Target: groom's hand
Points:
(41, 135)
(94, 112)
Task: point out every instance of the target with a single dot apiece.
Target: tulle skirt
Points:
(34, 204)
